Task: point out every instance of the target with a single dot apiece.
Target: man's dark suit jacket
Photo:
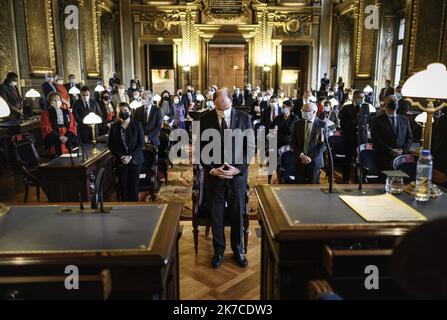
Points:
(13, 98)
(316, 147)
(135, 142)
(354, 124)
(285, 128)
(385, 139)
(297, 106)
(266, 120)
(80, 112)
(47, 89)
(238, 100)
(239, 120)
(152, 125)
(385, 93)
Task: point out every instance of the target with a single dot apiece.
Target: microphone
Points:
(70, 150)
(325, 140)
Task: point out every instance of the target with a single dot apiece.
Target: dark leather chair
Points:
(29, 161)
(407, 163)
(366, 164)
(338, 146)
(201, 215)
(149, 179)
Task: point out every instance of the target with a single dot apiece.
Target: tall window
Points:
(400, 51)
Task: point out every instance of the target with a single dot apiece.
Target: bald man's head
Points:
(222, 99)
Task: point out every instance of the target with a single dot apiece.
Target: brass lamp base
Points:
(3, 209)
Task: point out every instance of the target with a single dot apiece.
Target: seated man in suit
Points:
(81, 109)
(308, 145)
(391, 134)
(150, 118)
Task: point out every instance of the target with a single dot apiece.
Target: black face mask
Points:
(393, 105)
(166, 98)
(106, 98)
(124, 115)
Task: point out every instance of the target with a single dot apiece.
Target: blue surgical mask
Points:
(307, 115)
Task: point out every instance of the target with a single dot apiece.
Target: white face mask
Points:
(50, 79)
(273, 105)
(73, 81)
(85, 98)
(282, 95)
(60, 82)
(307, 115)
(287, 111)
(176, 101)
(121, 91)
(224, 114)
(327, 109)
(14, 83)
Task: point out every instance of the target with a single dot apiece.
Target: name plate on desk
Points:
(382, 208)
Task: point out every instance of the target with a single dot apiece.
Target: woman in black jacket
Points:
(126, 141)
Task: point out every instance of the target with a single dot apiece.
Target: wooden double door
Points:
(226, 66)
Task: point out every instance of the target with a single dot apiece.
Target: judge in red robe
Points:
(58, 127)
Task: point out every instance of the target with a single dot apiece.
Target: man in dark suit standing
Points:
(248, 96)
(81, 109)
(226, 179)
(270, 113)
(299, 103)
(151, 120)
(354, 119)
(238, 98)
(72, 84)
(188, 98)
(308, 145)
(47, 87)
(391, 134)
(10, 93)
(387, 91)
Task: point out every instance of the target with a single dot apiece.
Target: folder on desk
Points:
(382, 208)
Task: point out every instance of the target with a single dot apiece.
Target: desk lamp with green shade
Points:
(92, 119)
(431, 85)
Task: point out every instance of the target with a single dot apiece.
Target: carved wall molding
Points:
(160, 23)
(90, 22)
(7, 57)
(365, 43)
(240, 18)
(292, 24)
(39, 25)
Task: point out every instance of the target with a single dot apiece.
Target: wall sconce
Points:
(186, 68)
(429, 84)
(266, 68)
(92, 119)
(99, 88)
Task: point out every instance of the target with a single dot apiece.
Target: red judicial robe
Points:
(51, 131)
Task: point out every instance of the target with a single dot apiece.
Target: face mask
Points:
(287, 111)
(14, 83)
(166, 98)
(106, 98)
(307, 115)
(327, 109)
(399, 96)
(360, 101)
(176, 101)
(60, 82)
(136, 97)
(73, 81)
(393, 105)
(121, 91)
(273, 105)
(124, 115)
(282, 95)
(50, 79)
(85, 98)
(57, 104)
(134, 87)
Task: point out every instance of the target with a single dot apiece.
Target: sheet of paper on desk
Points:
(382, 208)
(73, 155)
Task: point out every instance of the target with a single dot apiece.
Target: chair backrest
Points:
(165, 145)
(150, 153)
(407, 163)
(98, 195)
(25, 150)
(367, 156)
(419, 261)
(338, 144)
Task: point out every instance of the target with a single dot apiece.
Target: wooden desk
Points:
(300, 223)
(137, 245)
(62, 181)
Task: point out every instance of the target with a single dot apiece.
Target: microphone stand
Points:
(331, 163)
(70, 150)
